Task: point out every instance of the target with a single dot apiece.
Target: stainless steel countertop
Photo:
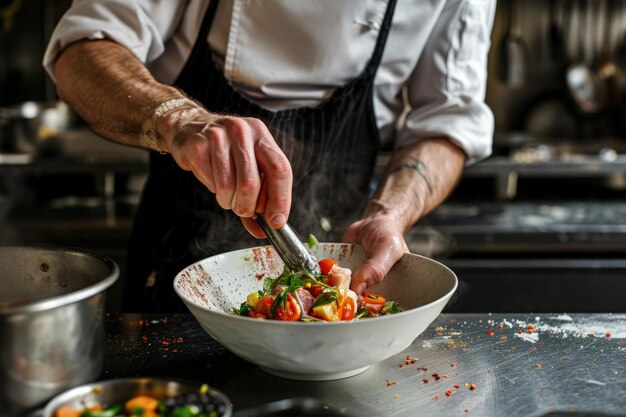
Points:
(568, 369)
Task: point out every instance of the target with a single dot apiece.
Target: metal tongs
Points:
(290, 249)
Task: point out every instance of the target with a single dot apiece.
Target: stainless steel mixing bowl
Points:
(117, 391)
(51, 322)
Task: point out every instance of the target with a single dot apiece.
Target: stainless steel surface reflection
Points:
(51, 322)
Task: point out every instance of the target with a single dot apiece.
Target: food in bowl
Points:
(185, 405)
(299, 295)
(140, 397)
(213, 287)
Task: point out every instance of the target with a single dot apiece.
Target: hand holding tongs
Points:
(288, 246)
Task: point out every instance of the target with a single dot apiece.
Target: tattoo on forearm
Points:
(419, 167)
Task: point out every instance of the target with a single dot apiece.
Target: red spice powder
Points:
(448, 393)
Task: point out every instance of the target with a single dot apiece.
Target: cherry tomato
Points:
(347, 309)
(256, 315)
(326, 265)
(264, 305)
(316, 290)
(371, 298)
(291, 312)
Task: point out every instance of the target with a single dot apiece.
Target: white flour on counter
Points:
(610, 326)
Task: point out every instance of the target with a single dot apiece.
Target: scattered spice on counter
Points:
(425, 380)
(608, 334)
(466, 410)
(520, 331)
(423, 369)
(490, 333)
(448, 393)
(456, 387)
(436, 397)
(390, 383)
(453, 365)
(537, 365)
(472, 387)
(396, 395)
(436, 376)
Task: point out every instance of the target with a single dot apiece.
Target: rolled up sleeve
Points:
(446, 91)
(142, 26)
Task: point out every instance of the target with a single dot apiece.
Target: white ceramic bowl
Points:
(211, 288)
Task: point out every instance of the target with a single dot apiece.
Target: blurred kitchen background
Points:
(539, 226)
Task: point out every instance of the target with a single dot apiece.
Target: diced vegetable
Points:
(326, 265)
(298, 295)
(143, 402)
(390, 307)
(65, 411)
(326, 312)
(264, 305)
(253, 299)
(312, 242)
(371, 298)
(291, 311)
(316, 290)
(347, 309)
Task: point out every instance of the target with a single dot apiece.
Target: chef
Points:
(298, 96)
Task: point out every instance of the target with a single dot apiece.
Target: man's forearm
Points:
(111, 90)
(417, 179)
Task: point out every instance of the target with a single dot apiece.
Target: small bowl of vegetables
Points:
(312, 328)
(140, 397)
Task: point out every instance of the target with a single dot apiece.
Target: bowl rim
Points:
(80, 390)
(188, 301)
(71, 297)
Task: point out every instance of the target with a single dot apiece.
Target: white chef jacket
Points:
(292, 53)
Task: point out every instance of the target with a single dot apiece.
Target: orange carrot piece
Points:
(65, 411)
(141, 401)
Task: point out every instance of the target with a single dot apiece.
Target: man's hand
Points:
(116, 95)
(382, 239)
(231, 156)
(417, 179)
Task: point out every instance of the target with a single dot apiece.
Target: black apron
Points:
(332, 150)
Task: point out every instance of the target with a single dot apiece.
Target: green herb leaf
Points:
(310, 319)
(280, 300)
(294, 284)
(326, 297)
(390, 307)
(362, 312)
(244, 309)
